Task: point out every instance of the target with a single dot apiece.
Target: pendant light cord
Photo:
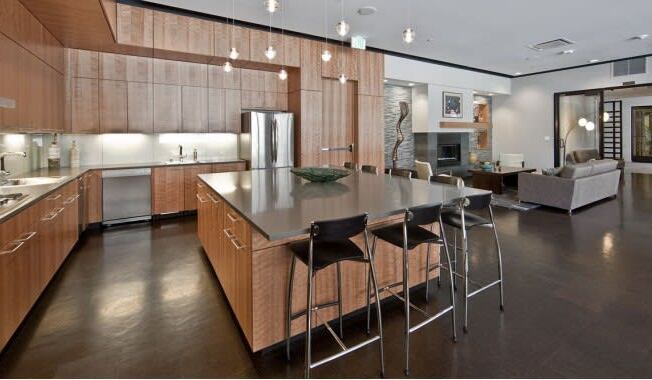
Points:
(341, 39)
(326, 22)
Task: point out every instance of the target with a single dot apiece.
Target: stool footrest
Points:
(314, 308)
(482, 289)
(344, 352)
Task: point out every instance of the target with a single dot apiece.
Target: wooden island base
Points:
(253, 271)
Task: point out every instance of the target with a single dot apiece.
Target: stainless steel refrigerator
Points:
(267, 139)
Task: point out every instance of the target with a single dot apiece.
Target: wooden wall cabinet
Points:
(135, 26)
(343, 60)
(371, 72)
(233, 110)
(113, 106)
(113, 66)
(259, 40)
(140, 107)
(370, 149)
(184, 34)
(167, 108)
(85, 113)
(167, 190)
(194, 109)
(11, 74)
(83, 63)
(193, 74)
(216, 110)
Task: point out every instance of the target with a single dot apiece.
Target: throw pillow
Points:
(551, 171)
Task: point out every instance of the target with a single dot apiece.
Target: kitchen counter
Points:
(281, 205)
(37, 193)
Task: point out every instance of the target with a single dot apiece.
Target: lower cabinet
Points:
(91, 185)
(226, 239)
(34, 245)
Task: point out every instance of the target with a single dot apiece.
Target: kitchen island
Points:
(246, 219)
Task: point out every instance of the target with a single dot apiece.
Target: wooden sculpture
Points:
(405, 110)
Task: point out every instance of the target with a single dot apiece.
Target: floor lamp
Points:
(583, 123)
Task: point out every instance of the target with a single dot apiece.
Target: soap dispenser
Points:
(74, 155)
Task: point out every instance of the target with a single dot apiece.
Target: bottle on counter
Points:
(74, 155)
(54, 154)
(194, 154)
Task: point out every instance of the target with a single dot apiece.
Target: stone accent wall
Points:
(394, 95)
(483, 154)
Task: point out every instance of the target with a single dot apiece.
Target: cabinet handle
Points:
(50, 216)
(26, 236)
(232, 218)
(201, 200)
(213, 199)
(17, 244)
(228, 233)
(71, 199)
(237, 244)
(53, 197)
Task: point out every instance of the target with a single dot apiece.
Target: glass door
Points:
(578, 123)
(642, 134)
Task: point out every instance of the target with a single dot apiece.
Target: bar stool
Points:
(371, 169)
(330, 243)
(407, 173)
(408, 235)
(351, 165)
(461, 219)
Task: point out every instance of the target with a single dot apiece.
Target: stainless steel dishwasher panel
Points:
(126, 195)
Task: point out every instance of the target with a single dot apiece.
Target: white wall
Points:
(523, 121)
(434, 80)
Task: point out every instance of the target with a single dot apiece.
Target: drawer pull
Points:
(49, 216)
(26, 236)
(16, 246)
(229, 234)
(237, 244)
(71, 199)
(53, 197)
(232, 218)
(201, 200)
(212, 199)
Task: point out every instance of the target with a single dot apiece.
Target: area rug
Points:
(510, 200)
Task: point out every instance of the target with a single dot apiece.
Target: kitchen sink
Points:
(32, 181)
(177, 162)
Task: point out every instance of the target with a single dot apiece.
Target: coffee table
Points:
(493, 180)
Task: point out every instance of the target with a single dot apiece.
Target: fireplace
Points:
(448, 155)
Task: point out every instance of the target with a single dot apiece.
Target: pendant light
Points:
(342, 28)
(233, 54)
(271, 5)
(283, 75)
(326, 55)
(227, 67)
(270, 52)
(409, 34)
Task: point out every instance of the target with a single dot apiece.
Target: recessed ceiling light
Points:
(518, 73)
(367, 11)
(491, 94)
(594, 60)
(640, 37)
(385, 80)
(566, 52)
(411, 84)
(475, 92)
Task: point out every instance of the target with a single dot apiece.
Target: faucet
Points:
(4, 173)
(180, 152)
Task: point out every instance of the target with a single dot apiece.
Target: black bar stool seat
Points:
(327, 252)
(417, 235)
(453, 218)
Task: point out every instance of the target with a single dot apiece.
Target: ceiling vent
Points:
(629, 67)
(552, 44)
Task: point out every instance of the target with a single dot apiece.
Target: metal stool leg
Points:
(406, 292)
(428, 271)
(465, 253)
(374, 279)
(339, 297)
(288, 322)
(306, 373)
(450, 275)
(371, 256)
(500, 259)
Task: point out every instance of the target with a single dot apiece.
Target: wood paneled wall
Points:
(31, 72)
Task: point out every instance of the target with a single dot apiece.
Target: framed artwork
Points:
(452, 105)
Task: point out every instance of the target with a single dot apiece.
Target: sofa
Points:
(575, 186)
(585, 155)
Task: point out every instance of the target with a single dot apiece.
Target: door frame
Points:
(647, 159)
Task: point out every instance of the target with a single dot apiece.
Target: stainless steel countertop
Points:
(281, 205)
(37, 193)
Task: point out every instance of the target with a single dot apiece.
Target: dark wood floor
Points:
(142, 302)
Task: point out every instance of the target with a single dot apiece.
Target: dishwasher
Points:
(126, 195)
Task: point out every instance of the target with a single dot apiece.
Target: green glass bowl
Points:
(320, 174)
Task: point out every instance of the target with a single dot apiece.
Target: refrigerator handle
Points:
(274, 141)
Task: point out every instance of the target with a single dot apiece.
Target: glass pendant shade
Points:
(582, 122)
(408, 35)
(342, 78)
(326, 55)
(590, 126)
(270, 53)
(227, 67)
(283, 75)
(271, 5)
(233, 54)
(342, 28)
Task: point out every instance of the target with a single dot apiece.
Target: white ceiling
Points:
(491, 35)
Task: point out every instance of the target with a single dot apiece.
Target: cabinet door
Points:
(194, 109)
(10, 73)
(371, 73)
(370, 149)
(167, 108)
(170, 31)
(203, 214)
(191, 183)
(135, 26)
(140, 107)
(259, 41)
(113, 66)
(216, 110)
(139, 69)
(193, 74)
(113, 106)
(253, 99)
(83, 63)
(200, 36)
(167, 190)
(93, 188)
(292, 51)
(227, 36)
(85, 115)
(214, 230)
(233, 110)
